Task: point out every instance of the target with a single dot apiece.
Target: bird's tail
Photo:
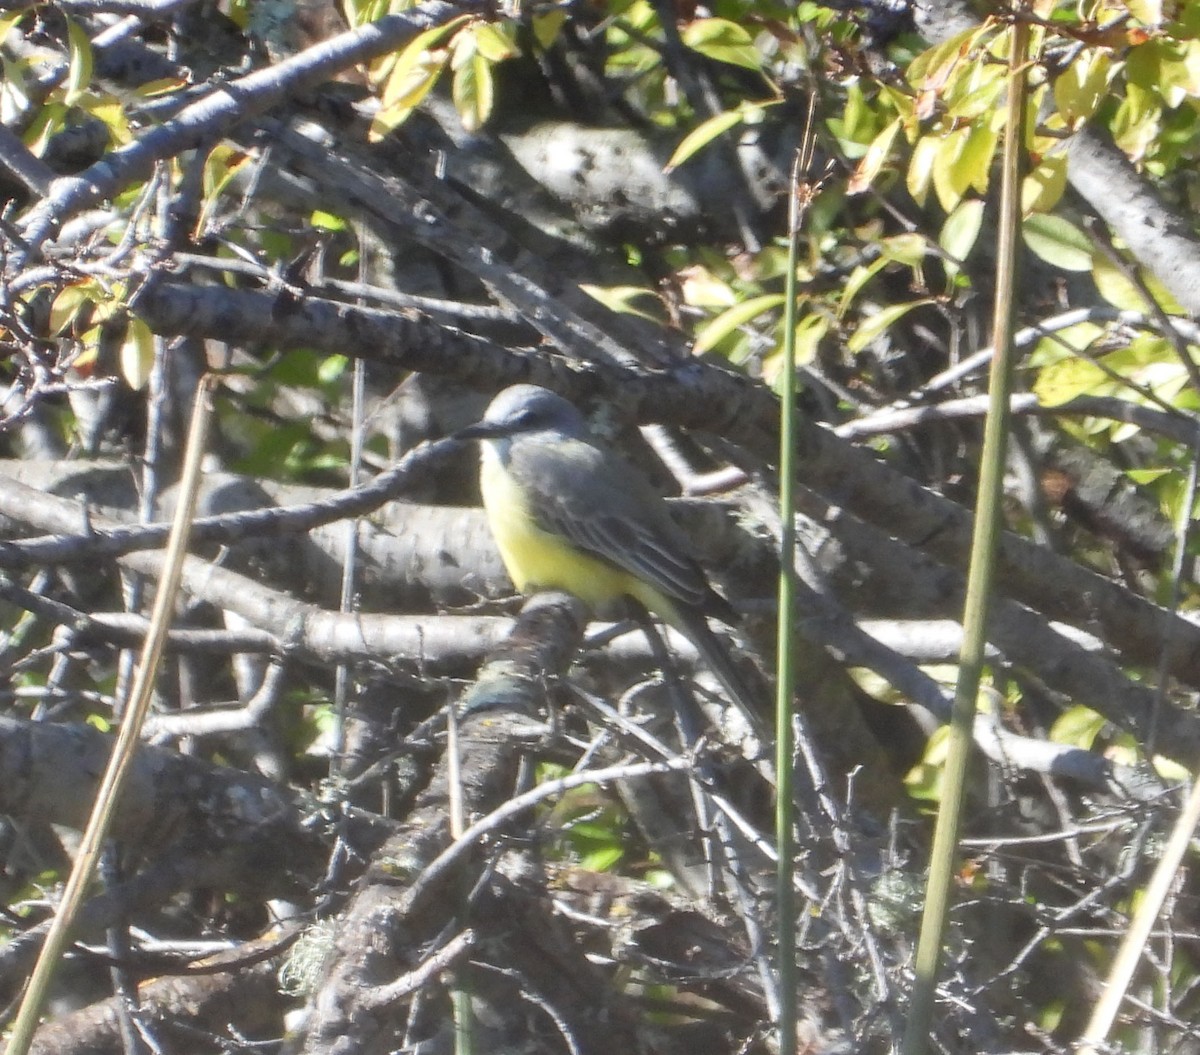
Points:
(720, 661)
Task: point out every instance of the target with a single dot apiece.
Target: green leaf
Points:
(908, 249)
(1063, 381)
(1078, 726)
(974, 164)
(872, 327)
(920, 168)
(474, 92)
(326, 221)
(872, 161)
(601, 860)
(1058, 242)
(707, 131)
(1079, 89)
(950, 181)
(1121, 293)
(68, 303)
(620, 298)
(725, 41)
(413, 74)
(703, 134)
(714, 331)
(496, 41)
(137, 354)
(859, 277)
(79, 61)
(547, 26)
(1042, 189)
(1137, 122)
(1148, 12)
(961, 229)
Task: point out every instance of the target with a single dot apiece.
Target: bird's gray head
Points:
(524, 409)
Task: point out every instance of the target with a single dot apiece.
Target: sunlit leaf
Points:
(961, 229)
(326, 221)
(920, 168)
(707, 131)
(702, 289)
(1080, 87)
(1078, 726)
(703, 134)
(1148, 12)
(496, 40)
(908, 249)
(137, 354)
(79, 61)
(474, 91)
(1120, 292)
(950, 181)
(620, 298)
(156, 89)
(412, 75)
(810, 331)
(717, 329)
(1043, 188)
(68, 302)
(1068, 379)
(873, 160)
(1058, 242)
(548, 25)
(859, 277)
(875, 325)
(974, 164)
(725, 41)
(1137, 122)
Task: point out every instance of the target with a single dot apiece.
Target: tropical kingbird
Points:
(570, 515)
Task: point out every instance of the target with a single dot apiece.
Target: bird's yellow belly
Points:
(536, 559)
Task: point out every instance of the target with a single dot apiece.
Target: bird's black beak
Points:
(482, 430)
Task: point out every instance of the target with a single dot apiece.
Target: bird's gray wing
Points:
(605, 507)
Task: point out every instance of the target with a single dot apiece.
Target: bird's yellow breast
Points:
(536, 559)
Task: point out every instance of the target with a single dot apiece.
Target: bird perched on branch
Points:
(569, 514)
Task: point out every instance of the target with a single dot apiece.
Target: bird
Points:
(570, 514)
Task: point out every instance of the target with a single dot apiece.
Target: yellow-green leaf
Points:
(873, 160)
(1148, 12)
(1063, 381)
(620, 298)
(137, 354)
(1137, 122)
(872, 327)
(496, 40)
(1121, 293)
(157, 88)
(1080, 87)
(548, 25)
(961, 229)
(412, 56)
(703, 134)
(725, 41)
(326, 221)
(68, 303)
(920, 168)
(700, 288)
(474, 92)
(1042, 189)
(950, 181)
(716, 330)
(79, 61)
(1077, 726)
(859, 277)
(908, 249)
(1058, 242)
